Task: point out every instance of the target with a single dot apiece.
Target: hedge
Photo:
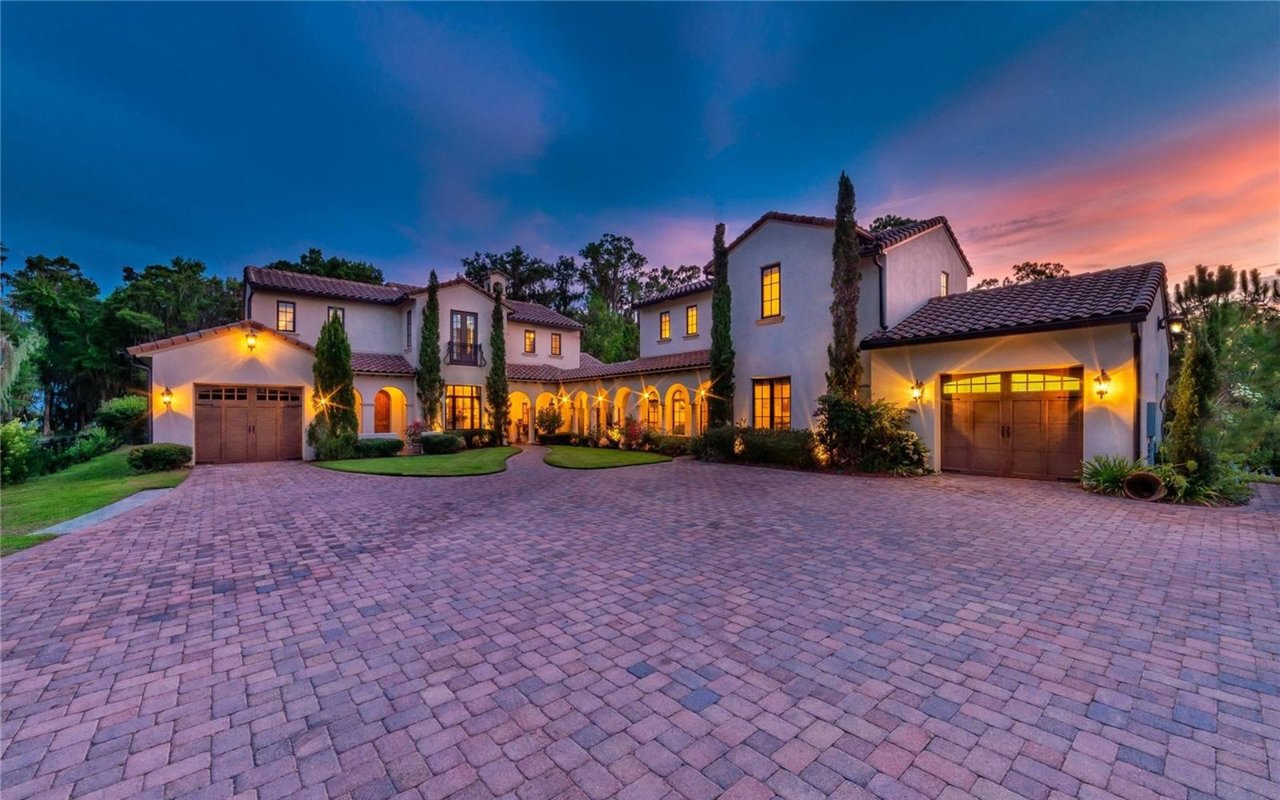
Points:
(378, 448)
(439, 444)
(790, 448)
(671, 445)
(159, 457)
(473, 437)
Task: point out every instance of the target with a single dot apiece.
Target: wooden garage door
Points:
(248, 423)
(1019, 424)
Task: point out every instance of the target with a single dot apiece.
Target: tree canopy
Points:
(1026, 272)
(313, 262)
(887, 221)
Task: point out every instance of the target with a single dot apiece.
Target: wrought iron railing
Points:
(470, 354)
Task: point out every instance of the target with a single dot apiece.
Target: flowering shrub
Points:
(416, 430)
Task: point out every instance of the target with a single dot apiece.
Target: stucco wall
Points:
(223, 359)
(650, 342)
(1155, 375)
(370, 328)
(914, 274)
(1108, 422)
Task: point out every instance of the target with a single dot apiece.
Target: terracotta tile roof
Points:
(697, 287)
(869, 243)
(593, 369)
(538, 314)
(301, 283)
(243, 326)
(381, 364)
(1091, 298)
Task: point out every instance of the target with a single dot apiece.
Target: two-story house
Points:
(1019, 381)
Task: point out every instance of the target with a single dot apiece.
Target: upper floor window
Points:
(664, 325)
(408, 329)
(339, 313)
(946, 284)
(771, 291)
(530, 342)
(555, 344)
(286, 319)
(771, 402)
(691, 321)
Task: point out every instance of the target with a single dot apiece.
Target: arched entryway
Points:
(359, 409)
(678, 411)
(521, 417)
(389, 410)
(651, 409)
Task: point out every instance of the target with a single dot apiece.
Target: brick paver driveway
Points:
(678, 630)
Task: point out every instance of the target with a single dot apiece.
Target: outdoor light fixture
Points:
(166, 397)
(1176, 323)
(1102, 384)
(917, 390)
(251, 339)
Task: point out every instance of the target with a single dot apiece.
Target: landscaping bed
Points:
(570, 457)
(483, 461)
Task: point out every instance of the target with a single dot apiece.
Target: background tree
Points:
(887, 221)
(1193, 398)
(333, 432)
(1026, 272)
(496, 383)
(531, 278)
(313, 262)
(667, 279)
(430, 379)
(565, 294)
(610, 336)
(844, 365)
(612, 270)
(720, 400)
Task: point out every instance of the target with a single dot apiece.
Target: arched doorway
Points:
(359, 409)
(651, 409)
(581, 418)
(678, 411)
(521, 417)
(389, 410)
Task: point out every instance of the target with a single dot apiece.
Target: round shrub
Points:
(440, 444)
(159, 457)
(19, 453)
(124, 417)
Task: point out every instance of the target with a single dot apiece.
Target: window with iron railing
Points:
(464, 353)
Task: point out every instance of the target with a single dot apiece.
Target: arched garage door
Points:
(1016, 424)
(248, 423)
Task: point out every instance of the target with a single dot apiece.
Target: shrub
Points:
(473, 437)
(440, 444)
(671, 445)
(1106, 474)
(548, 420)
(790, 448)
(1229, 487)
(20, 457)
(91, 442)
(715, 444)
(159, 457)
(124, 418)
(871, 437)
(330, 445)
(378, 448)
(549, 439)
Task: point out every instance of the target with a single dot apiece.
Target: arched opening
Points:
(359, 409)
(601, 416)
(699, 409)
(678, 411)
(581, 416)
(651, 409)
(520, 412)
(390, 409)
(622, 405)
(545, 399)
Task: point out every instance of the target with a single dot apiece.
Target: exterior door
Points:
(1017, 424)
(382, 412)
(247, 423)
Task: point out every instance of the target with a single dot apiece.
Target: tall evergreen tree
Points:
(844, 364)
(496, 384)
(335, 397)
(430, 379)
(1193, 399)
(720, 402)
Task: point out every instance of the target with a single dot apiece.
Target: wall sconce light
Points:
(251, 340)
(917, 390)
(1102, 384)
(166, 397)
(1176, 323)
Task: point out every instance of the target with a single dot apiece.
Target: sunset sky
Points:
(411, 136)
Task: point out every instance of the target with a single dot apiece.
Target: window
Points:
(691, 321)
(1033, 382)
(530, 342)
(946, 284)
(408, 329)
(285, 316)
(555, 344)
(664, 325)
(653, 411)
(771, 291)
(462, 407)
(338, 312)
(679, 414)
(772, 402)
(974, 384)
(463, 327)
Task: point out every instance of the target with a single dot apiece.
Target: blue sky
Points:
(412, 136)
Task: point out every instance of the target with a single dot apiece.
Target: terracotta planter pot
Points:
(1144, 486)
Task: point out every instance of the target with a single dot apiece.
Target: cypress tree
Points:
(335, 396)
(720, 401)
(496, 384)
(1198, 384)
(844, 364)
(430, 379)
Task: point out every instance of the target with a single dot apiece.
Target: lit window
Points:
(679, 414)
(974, 384)
(555, 344)
(772, 402)
(1032, 382)
(285, 318)
(462, 407)
(653, 417)
(771, 291)
(530, 342)
(691, 321)
(664, 325)
(339, 313)
(946, 284)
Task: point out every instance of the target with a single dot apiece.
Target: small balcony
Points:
(467, 354)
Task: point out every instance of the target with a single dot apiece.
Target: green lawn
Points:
(599, 457)
(77, 490)
(481, 461)
(12, 544)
